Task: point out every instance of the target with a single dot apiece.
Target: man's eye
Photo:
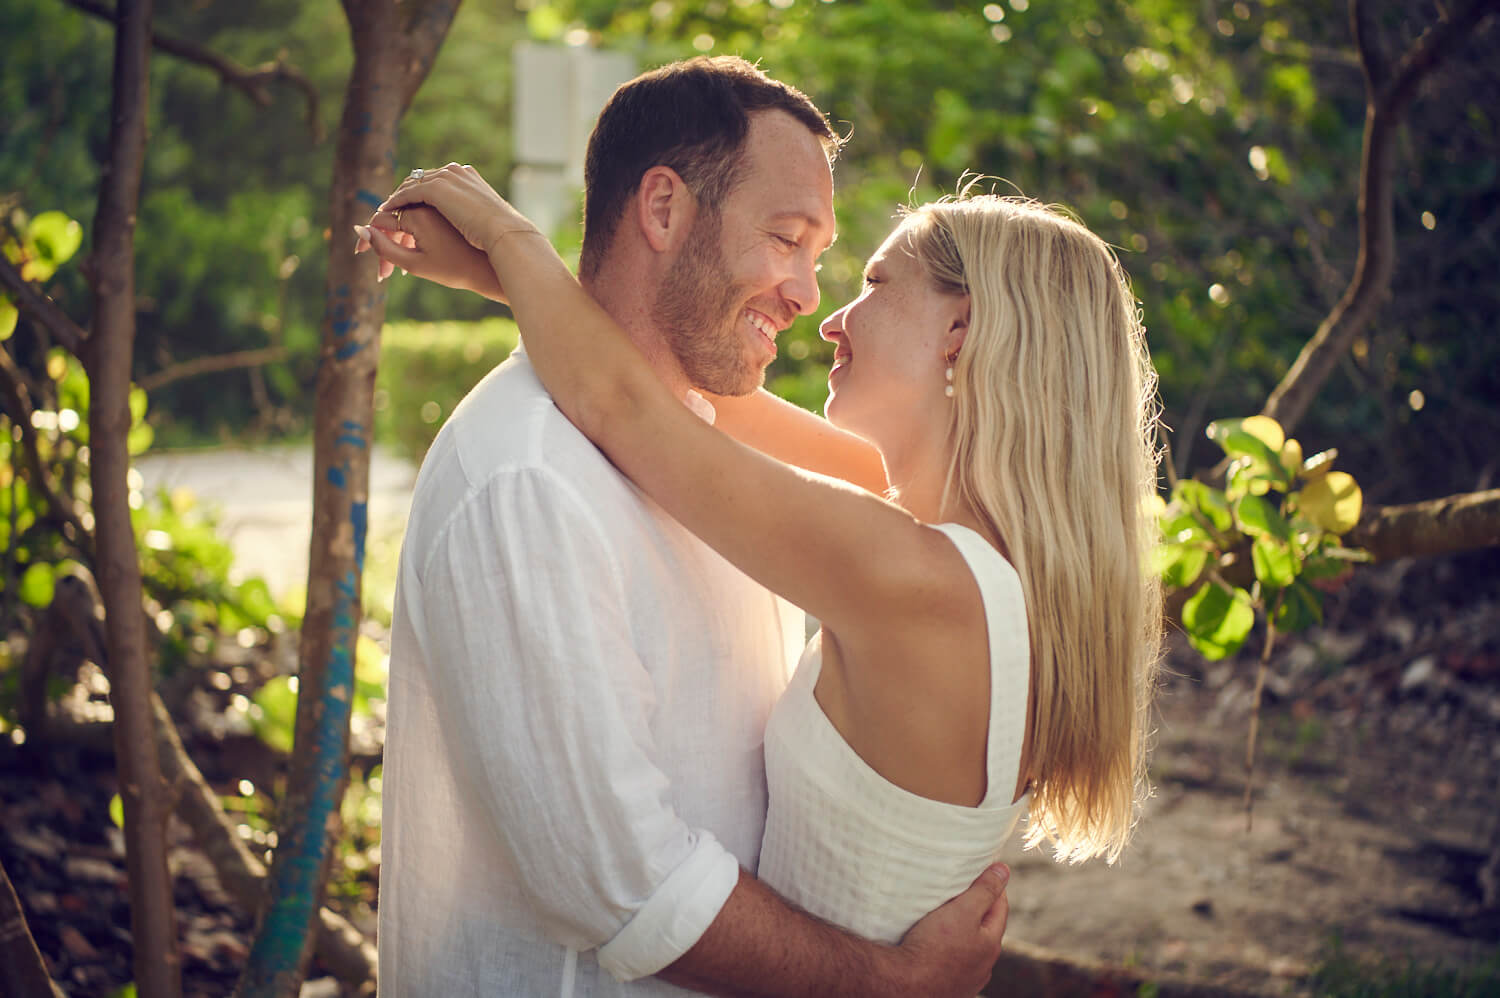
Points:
(786, 241)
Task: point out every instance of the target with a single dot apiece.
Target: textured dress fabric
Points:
(578, 691)
(852, 848)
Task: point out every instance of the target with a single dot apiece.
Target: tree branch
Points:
(250, 82)
(1463, 522)
(212, 364)
(22, 971)
(1388, 92)
(41, 309)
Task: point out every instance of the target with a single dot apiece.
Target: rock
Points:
(323, 987)
(77, 946)
(98, 871)
(1419, 673)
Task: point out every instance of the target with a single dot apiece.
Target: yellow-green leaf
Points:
(1333, 502)
(37, 584)
(8, 317)
(1266, 430)
(1291, 457)
(54, 236)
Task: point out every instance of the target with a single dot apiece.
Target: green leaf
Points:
(1179, 565)
(1217, 620)
(1300, 608)
(1206, 499)
(8, 318)
(137, 404)
(138, 440)
(54, 237)
(277, 723)
(37, 585)
(117, 811)
(1275, 562)
(1247, 438)
(1260, 518)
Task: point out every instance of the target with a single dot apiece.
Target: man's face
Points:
(748, 269)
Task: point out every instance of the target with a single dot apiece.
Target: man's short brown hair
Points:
(692, 116)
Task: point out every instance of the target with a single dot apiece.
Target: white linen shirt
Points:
(579, 688)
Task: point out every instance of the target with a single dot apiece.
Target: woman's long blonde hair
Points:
(1054, 445)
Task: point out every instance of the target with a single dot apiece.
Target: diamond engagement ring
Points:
(417, 173)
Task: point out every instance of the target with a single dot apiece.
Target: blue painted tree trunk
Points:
(394, 46)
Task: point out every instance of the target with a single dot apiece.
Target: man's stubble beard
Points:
(697, 309)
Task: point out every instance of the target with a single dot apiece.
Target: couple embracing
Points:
(603, 775)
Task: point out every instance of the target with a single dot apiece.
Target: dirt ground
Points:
(1375, 811)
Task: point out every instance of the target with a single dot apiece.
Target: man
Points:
(574, 788)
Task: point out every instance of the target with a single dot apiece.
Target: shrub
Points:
(425, 369)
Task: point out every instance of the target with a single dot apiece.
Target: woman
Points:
(989, 630)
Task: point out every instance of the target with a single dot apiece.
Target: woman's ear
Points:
(665, 208)
(958, 326)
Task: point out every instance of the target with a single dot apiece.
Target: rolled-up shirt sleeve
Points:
(523, 620)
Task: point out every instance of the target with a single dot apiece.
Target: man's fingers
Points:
(987, 894)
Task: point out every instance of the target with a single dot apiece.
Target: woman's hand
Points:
(469, 204)
(420, 241)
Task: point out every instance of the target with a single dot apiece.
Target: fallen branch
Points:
(1389, 91)
(340, 947)
(212, 364)
(1463, 522)
(249, 81)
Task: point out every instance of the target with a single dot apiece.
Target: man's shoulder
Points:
(509, 428)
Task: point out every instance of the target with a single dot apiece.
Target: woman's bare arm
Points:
(790, 433)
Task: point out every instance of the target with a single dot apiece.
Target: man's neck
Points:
(628, 305)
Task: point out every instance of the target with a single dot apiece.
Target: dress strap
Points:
(1010, 657)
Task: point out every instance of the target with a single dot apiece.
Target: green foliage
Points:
(1341, 974)
(186, 566)
(426, 368)
(1286, 513)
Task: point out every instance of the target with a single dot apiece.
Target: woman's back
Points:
(852, 847)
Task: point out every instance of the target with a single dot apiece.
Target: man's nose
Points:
(801, 289)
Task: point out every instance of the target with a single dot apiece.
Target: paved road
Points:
(264, 499)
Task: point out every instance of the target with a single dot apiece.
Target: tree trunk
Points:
(394, 46)
(107, 357)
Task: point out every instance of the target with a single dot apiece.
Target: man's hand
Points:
(953, 950)
(420, 240)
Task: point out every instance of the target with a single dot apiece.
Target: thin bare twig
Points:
(250, 81)
(212, 364)
(1389, 90)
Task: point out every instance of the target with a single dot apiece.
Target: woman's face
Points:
(892, 346)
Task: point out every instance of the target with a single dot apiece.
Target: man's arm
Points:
(760, 945)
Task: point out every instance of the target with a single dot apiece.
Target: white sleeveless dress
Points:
(860, 852)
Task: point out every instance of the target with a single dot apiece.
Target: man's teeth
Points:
(763, 324)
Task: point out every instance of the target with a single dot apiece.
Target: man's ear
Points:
(665, 208)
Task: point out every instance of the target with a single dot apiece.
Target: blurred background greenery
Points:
(1216, 144)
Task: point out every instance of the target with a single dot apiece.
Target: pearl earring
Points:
(948, 375)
